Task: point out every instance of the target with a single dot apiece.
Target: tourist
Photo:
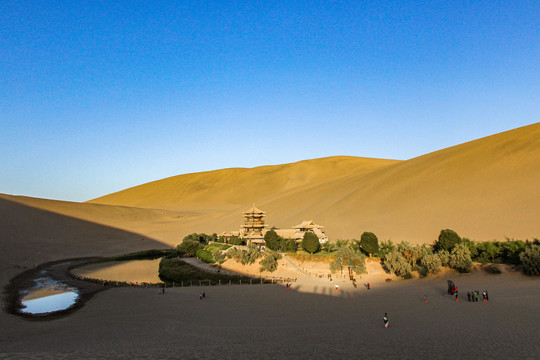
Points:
(385, 319)
(337, 287)
(368, 287)
(468, 296)
(425, 298)
(487, 296)
(456, 295)
(204, 295)
(200, 296)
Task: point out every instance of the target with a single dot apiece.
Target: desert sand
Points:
(485, 190)
(311, 320)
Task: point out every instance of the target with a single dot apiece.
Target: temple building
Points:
(254, 229)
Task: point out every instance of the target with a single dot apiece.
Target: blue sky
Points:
(99, 96)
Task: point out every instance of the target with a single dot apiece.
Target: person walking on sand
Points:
(203, 295)
(487, 296)
(385, 319)
(468, 296)
(200, 296)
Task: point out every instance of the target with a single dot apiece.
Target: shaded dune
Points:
(30, 236)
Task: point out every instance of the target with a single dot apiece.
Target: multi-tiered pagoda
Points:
(253, 228)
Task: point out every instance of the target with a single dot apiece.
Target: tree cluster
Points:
(276, 243)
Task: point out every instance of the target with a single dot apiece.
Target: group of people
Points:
(474, 295)
(202, 295)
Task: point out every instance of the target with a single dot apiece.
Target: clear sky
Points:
(99, 96)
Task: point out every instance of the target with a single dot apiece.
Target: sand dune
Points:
(484, 189)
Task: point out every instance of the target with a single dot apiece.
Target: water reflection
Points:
(47, 296)
(50, 303)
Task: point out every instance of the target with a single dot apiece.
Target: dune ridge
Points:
(485, 189)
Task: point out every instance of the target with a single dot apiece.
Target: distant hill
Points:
(484, 189)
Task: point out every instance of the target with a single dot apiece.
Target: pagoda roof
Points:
(254, 210)
(307, 224)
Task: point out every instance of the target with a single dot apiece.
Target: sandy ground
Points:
(268, 321)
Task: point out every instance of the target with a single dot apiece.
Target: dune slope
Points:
(484, 189)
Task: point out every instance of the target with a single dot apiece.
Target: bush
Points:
(530, 260)
(369, 243)
(386, 247)
(492, 269)
(460, 259)
(310, 243)
(432, 263)
(269, 261)
(244, 257)
(235, 240)
(205, 256)
(189, 247)
(346, 257)
(177, 270)
(447, 240)
(201, 238)
(395, 263)
(218, 256)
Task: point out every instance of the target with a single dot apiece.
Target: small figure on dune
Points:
(468, 296)
(204, 295)
(425, 298)
(487, 296)
(385, 319)
(200, 296)
(337, 287)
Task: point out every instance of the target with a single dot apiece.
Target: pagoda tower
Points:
(253, 223)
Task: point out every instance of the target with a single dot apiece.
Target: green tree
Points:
(369, 243)
(530, 260)
(189, 247)
(272, 240)
(447, 240)
(460, 258)
(288, 245)
(310, 243)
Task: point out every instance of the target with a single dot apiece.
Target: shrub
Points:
(460, 259)
(218, 256)
(445, 257)
(346, 257)
(386, 247)
(447, 240)
(530, 260)
(205, 256)
(235, 240)
(432, 263)
(178, 270)
(288, 245)
(244, 257)
(369, 243)
(395, 263)
(201, 238)
(189, 247)
(310, 242)
(269, 261)
(492, 269)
